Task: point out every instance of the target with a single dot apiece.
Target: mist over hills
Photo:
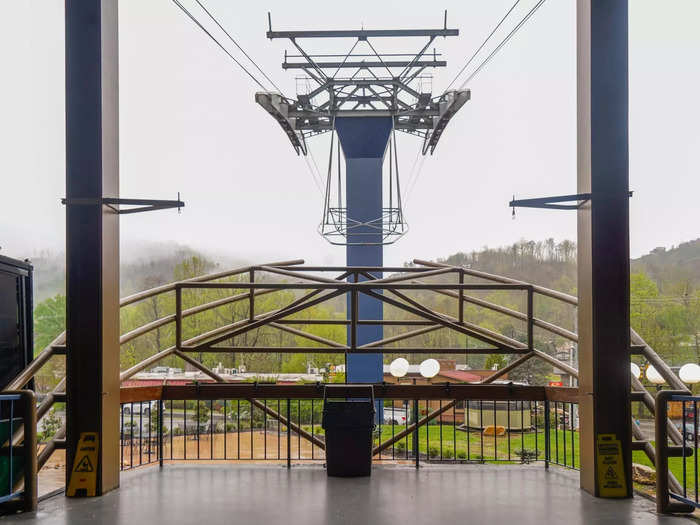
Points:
(547, 263)
(143, 265)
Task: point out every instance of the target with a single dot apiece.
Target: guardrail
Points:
(18, 459)
(422, 319)
(435, 424)
(673, 495)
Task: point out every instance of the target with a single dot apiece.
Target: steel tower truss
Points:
(364, 83)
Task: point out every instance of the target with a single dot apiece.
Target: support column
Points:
(92, 233)
(603, 237)
(364, 141)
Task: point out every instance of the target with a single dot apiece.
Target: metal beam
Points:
(603, 236)
(92, 233)
(365, 64)
(363, 34)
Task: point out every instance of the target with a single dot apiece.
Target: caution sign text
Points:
(83, 477)
(611, 471)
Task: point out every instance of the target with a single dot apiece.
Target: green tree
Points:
(49, 321)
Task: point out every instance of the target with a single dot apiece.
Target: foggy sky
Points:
(189, 123)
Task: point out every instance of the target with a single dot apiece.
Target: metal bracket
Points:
(550, 203)
(115, 203)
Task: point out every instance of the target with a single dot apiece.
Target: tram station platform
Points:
(218, 493)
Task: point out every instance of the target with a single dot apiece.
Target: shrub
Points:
(526, 455)
(400, 446)
(461, 454)
(434, 452)
(448, 453)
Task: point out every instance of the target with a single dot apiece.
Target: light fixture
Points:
(654, 376)
(429, 368)
(690, 373)
(636, 372)
(398, 367)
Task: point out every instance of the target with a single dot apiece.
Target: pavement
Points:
(212, 494)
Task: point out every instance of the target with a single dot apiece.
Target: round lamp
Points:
(636, 372)
(398, 367)
(690, 373)
(429, 368)
(654, 376)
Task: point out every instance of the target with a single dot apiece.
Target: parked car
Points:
(144, 408)
(690, 430)
(396, 415)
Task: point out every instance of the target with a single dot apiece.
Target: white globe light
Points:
(690, 373)
(398, 367)
(429, 368)
(636, 372)
(654, 376)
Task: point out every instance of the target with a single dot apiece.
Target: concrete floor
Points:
(212, 494)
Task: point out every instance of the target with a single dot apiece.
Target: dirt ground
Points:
(245, 446)
(255, 447)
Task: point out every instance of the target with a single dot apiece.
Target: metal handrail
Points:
(667, 486)
(22, 492)
(56, 348)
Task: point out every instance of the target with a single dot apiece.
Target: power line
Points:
(415, 178)
(503, 42)
(313, 175)
(184, 10)
(239, 47)
(471, 59)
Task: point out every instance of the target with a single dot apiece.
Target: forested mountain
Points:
(665, 307)
(546, 263)
(143, 265)
(675, 270)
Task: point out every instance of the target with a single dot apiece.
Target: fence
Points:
(18, 459)
(434, 424)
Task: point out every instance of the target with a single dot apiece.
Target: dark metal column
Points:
(364, 141)
(603, 236)
(92, 232)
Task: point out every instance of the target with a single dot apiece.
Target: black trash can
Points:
(348, 421)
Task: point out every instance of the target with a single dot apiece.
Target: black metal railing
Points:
(677, 463)
(180, 428)
(18, 459)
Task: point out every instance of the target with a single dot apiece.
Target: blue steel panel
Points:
(363, 137)
(364, 141)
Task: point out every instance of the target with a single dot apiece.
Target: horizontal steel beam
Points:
(348, 286)
(363, 34)
(452, 391)
(365, 64)
(337, 350)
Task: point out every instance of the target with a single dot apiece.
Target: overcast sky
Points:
(189, 123)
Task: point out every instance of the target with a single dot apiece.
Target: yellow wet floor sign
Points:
(611, 471)
(83, 478)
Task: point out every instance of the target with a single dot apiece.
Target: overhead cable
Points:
(239, 47)
(471, 59)
(184, 10)
(503, 42)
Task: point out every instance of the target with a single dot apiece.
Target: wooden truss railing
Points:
(352, 281)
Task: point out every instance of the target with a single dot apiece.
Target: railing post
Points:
(178, 316)
(416, 440)
(289, 437)
(160, 432)
(461, 297)
(546, 434)
(530, 317)
(29, 497)
(251, 298)
(353, 319)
